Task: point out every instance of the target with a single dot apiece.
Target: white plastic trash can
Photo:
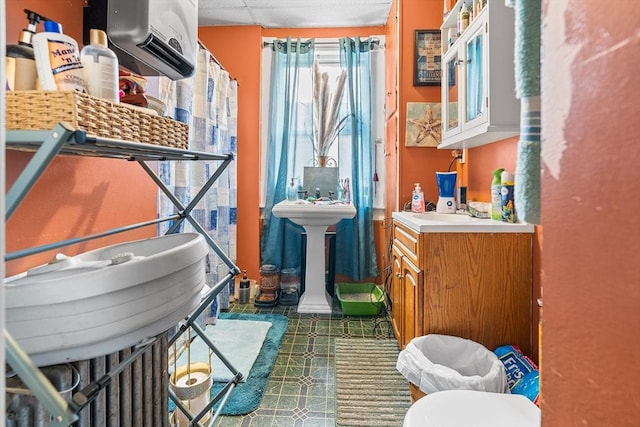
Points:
(442, 362)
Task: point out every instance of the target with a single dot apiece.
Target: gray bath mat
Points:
(369, 390)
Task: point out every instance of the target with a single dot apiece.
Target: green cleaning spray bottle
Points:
(496, 195)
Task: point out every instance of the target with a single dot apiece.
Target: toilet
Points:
(468, 408)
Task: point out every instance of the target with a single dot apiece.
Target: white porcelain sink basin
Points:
(105, 300)
(457, 223)
(315, 218)
(306, 213)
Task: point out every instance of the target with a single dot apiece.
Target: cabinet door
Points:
(475, 112)
(396, 294)
(451, 95)
(411, 279)
(478, 286)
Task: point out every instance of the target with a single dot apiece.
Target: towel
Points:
(527, 71)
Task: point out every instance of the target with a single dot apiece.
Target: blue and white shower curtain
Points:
(207, 102)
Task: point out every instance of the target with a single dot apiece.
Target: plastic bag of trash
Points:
(443, 362)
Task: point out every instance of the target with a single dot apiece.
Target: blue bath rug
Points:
(246, 396)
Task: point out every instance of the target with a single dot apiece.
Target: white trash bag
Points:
(442, 362)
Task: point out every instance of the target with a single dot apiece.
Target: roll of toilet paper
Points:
(191, 385)
(193, 391)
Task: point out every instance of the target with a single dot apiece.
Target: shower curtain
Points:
(207, 101)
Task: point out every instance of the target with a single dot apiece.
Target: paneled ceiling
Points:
(294, 13)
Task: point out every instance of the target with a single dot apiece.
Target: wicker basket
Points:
(42, 110)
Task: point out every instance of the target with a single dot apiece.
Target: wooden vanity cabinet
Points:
(407, 286)
(471, 285)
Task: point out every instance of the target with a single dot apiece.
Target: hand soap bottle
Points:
(417, 199)
(20, 64)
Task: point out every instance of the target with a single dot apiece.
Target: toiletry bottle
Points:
(291, 190)
(464, 17)
(507, 200)
(100, 67)
(244, 291)
(417, 199)
(300, 189)
(57, 59)
(20, 64)
(496, 198)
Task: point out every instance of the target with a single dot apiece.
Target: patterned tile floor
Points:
(300, 392)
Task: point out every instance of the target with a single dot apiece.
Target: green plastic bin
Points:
(360, 299)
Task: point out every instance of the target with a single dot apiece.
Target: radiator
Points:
(138, 397)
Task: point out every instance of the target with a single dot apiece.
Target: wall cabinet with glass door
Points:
(479, 105)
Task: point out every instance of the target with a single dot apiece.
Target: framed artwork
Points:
(427, 69)
(424, 124)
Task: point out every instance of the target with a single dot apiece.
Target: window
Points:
(327, 55)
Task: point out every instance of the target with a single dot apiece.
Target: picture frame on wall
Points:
(424, 124)
(427, 63)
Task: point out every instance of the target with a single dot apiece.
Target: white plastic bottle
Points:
(57, 59)
(100, 67)
(417, 199)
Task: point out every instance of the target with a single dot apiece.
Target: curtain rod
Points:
(374, 41)
(216, 60)
(212, 55)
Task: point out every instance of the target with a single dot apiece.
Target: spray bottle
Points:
(20, 63)
(496, 198)
(507, 200)
(417, 199)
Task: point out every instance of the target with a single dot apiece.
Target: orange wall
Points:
(417, 164)
(590, 204)
(75, 196)
(239, 50)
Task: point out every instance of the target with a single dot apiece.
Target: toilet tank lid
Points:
(443, 409)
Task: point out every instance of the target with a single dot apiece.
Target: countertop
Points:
(457, 223)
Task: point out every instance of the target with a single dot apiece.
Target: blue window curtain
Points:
(280, 241)
(355, 253)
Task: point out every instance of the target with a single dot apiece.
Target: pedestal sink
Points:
(315, 218)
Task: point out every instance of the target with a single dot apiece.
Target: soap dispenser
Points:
(20, 64)
(417, 199)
